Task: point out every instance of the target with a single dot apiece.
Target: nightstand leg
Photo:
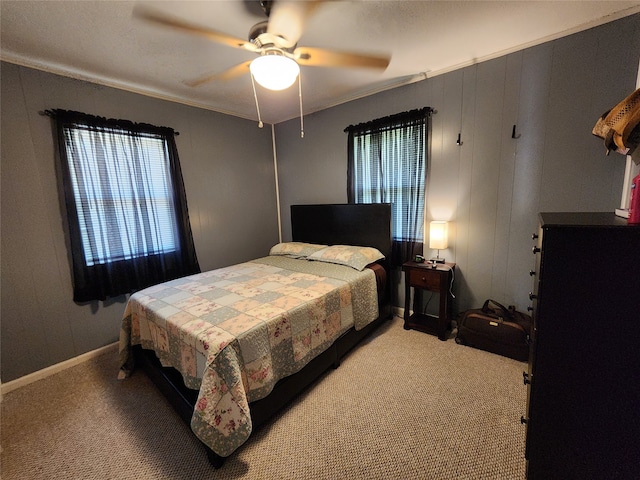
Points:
(407, 302)
(417, 300)
(443, 314)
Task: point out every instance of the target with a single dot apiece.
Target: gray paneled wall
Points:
(491, 187)
(228, 173)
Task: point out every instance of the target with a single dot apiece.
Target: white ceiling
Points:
(100, 41)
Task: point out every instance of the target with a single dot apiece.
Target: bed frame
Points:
(333, 224)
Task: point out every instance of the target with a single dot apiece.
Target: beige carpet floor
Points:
(403, 405)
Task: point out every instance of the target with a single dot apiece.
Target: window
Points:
(126, 206)
(387, 161)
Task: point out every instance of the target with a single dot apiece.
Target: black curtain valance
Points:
(94, 122)
(389, 122)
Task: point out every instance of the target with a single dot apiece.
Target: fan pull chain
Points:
(255, 96)
(301, 116)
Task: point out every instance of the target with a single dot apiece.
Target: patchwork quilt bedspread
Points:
(249, 325)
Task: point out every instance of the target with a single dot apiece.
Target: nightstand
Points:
(423, 276)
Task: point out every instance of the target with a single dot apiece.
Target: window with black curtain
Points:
(126, 205)
(387, 163)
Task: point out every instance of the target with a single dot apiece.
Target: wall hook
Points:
(459, 141)
(513, 133)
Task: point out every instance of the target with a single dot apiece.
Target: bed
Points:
(230, 347)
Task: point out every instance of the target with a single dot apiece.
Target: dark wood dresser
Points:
(583, 405)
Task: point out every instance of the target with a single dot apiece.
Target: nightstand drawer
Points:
(425, 279)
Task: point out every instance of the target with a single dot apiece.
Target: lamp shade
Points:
(438, 235)
(274, 71)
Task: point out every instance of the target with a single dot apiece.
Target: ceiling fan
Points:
(275, 41)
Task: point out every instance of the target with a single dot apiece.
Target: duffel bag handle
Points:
(505, 311)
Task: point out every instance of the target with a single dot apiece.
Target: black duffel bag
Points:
(496, 329)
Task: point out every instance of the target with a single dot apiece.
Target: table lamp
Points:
(438, 235)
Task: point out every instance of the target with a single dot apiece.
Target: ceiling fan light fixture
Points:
(274, 71)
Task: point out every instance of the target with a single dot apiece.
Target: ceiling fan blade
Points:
(147, 14)
(287, 19)
(229, 74)
(318, 57)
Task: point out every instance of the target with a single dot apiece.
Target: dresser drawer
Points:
(425, 279)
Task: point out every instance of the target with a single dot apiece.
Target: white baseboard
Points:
(622, 212)
(58, 367)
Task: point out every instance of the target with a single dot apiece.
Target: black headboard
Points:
(366, 225)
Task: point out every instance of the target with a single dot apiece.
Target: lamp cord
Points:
(453, 276)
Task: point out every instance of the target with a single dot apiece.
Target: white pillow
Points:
(349, 255)
(295, 249)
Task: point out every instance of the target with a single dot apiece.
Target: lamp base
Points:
(436, 260)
